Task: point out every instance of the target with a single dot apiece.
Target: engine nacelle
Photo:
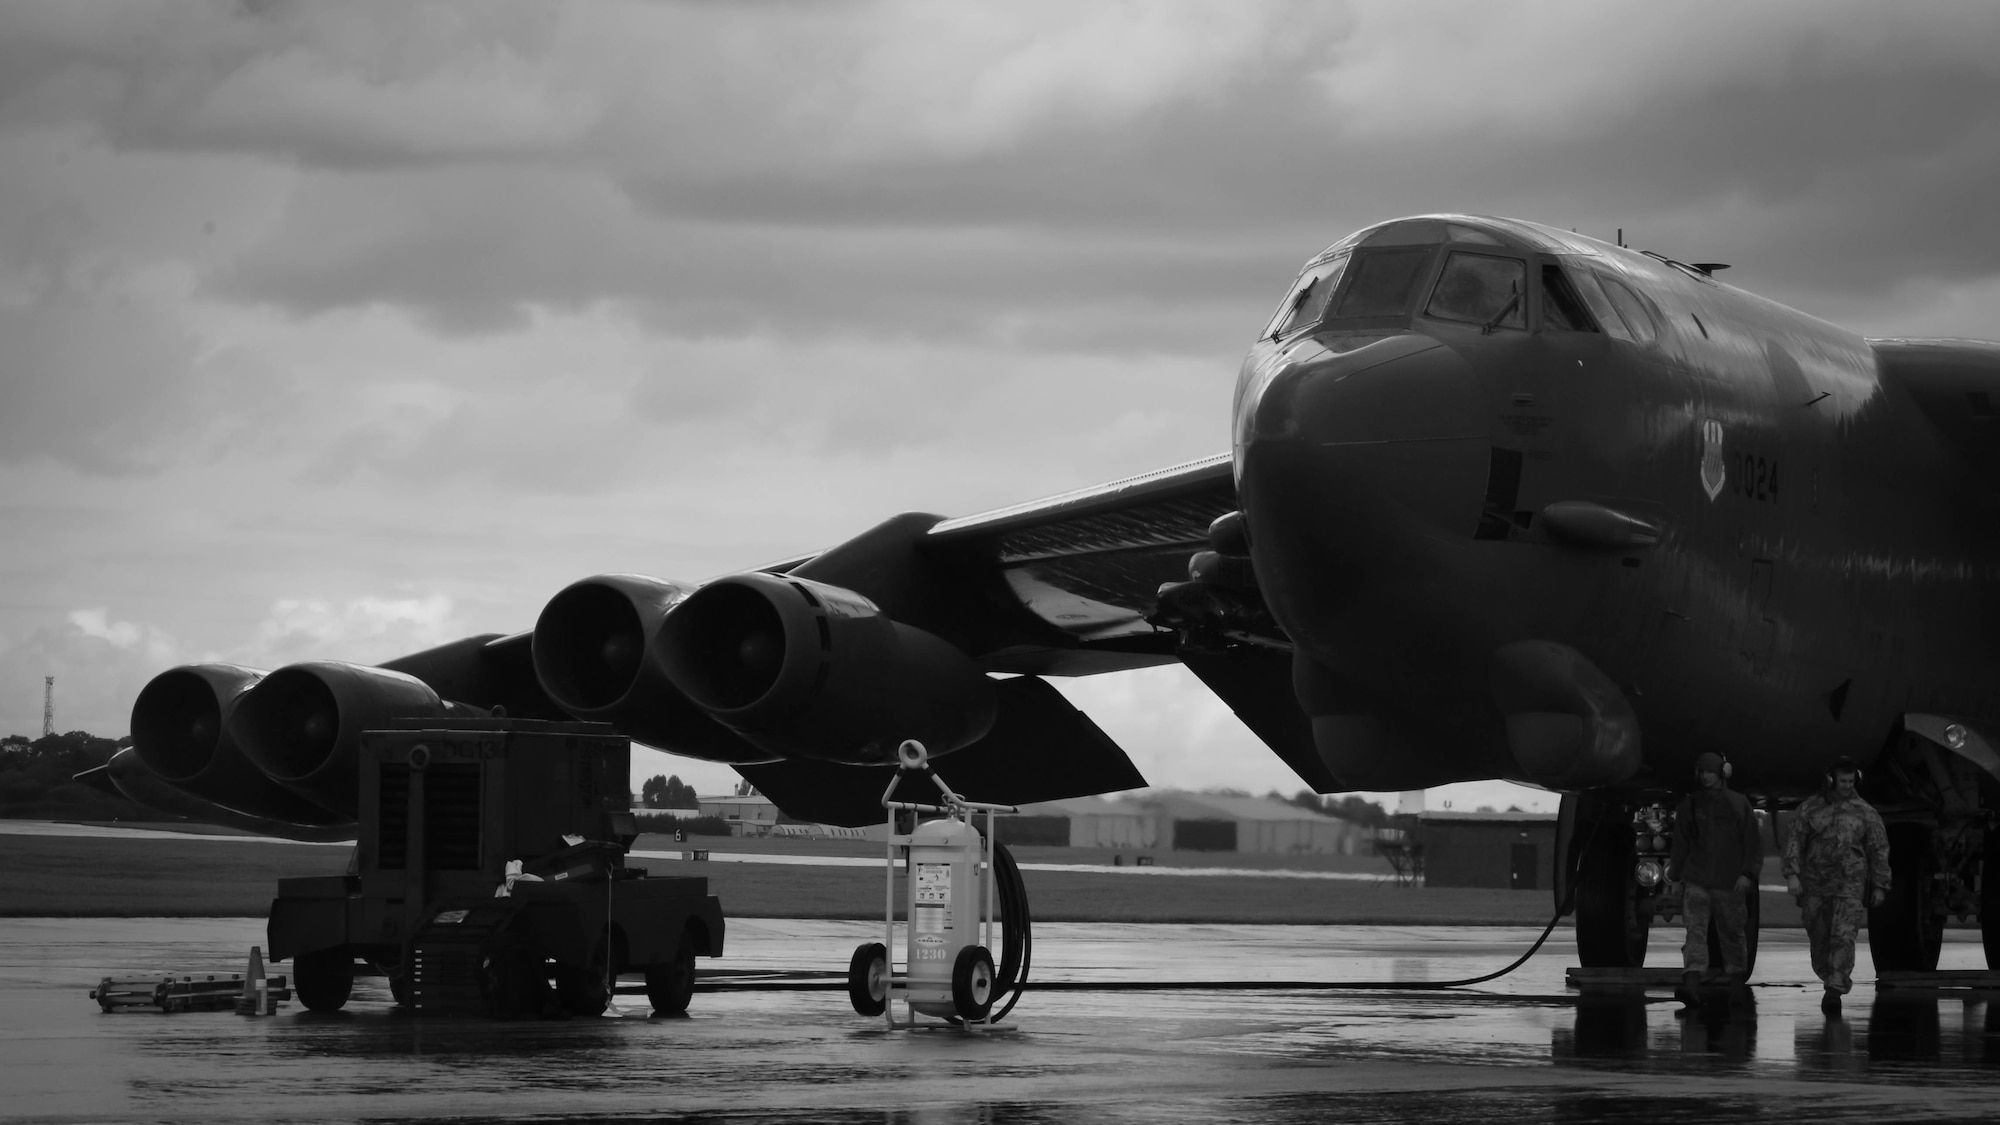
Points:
(596, 655)
(180, 732)
(302, 724)
(809, 670)
(127, 775)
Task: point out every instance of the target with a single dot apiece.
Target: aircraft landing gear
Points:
(1615, 908)
(1907, 931)
(1939, 794)
(1612, 920)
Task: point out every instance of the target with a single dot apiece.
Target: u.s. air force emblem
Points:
(1713, 472)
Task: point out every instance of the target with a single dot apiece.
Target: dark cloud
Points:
(1194, 208)
(470, 254)
(336, 87)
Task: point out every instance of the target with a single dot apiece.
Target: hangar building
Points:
(1514, 850)
(1204, 822)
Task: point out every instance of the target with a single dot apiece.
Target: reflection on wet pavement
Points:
(1520, 1048)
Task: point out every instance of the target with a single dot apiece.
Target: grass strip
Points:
(58, 876)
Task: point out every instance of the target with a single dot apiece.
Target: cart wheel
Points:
(323, 979)
(972, 983)
(670, 987)
(868, 979)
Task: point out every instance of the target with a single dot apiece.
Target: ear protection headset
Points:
(1843, 764)
(1725, 771)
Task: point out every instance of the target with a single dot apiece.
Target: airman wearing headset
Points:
(1836, 854)
(1718, 854)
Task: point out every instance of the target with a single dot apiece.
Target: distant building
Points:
(1514, 850)
(1258, 826)
(1204, 822)
(747, 816)
(1095, 822)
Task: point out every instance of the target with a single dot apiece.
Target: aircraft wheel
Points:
(1989, 898)
(972, 983)
(323, 979)
(670, 987)
(399, 987)
(1753, 910)
(1611, 928)
(1906, 932)
(868, 979)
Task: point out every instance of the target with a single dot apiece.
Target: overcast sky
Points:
(341, 330)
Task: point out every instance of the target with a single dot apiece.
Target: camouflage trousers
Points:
(1699, 905)
(1831, 924)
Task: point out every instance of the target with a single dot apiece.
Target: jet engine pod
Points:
(815, 671)
(1568, 725)
(127, 775)
(594, 654)
(302, 725)
(180, 733)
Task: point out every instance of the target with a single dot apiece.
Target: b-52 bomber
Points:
(1502, 501)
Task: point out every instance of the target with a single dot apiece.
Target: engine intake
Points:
(302, 724)
(805, 669)
(595, 654)
(180, 733)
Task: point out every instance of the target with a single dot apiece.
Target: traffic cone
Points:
(254, 1000)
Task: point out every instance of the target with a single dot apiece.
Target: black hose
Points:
(1312, 985)
(1017, 943)
(798, 981)
(1017, 946)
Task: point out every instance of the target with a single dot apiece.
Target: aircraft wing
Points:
(1087, 567)
(803, 674)
(1090, 563)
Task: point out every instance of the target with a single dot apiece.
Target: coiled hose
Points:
(1017, 941)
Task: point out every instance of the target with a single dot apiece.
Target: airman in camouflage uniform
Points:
(1836, 853)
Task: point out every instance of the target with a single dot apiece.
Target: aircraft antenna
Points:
(1621, 236)
(48, 706)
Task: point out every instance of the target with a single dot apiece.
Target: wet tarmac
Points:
(1520, 1048)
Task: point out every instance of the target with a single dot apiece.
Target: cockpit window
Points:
(1600, 305)
(1306, 303)
(1481, 288)
(1381, 282)
(1562, 308)
(1633, 310)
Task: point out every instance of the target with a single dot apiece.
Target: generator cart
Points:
(489, 878)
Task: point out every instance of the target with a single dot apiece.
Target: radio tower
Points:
(48, 706)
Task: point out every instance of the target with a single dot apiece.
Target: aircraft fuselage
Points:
(1533, 506)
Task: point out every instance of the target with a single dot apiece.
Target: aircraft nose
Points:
(1403, 388)
(1355, 465)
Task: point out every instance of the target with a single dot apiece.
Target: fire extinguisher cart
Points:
(948, 970)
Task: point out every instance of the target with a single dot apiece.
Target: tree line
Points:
(663, 792)
(1346, 806)
(38, 771)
